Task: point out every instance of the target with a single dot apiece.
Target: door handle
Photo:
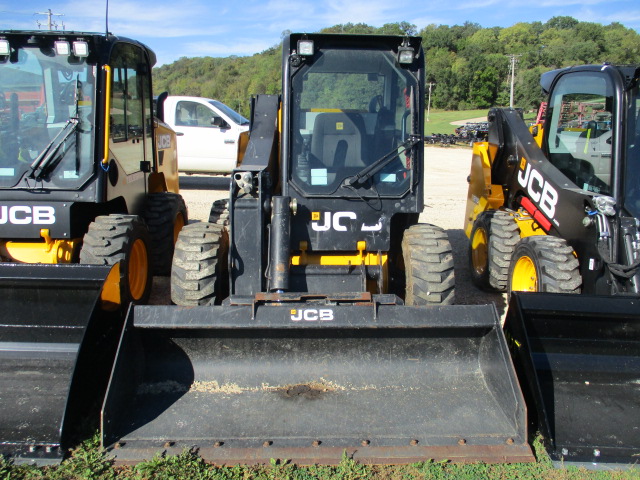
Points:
(179, 134)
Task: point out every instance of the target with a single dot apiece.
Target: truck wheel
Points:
(428, 265)
(199, 271)
(125, 239)
(165, 214)
(544, 263)
(493, 240)
(219, 213)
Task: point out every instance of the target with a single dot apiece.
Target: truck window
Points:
(194, 114)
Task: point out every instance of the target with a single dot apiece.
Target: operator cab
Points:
(353, 116)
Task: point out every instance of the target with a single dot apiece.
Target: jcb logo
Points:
(24, 215)
(338, 221)
(164, 141)
(539, 190)
(312, 314)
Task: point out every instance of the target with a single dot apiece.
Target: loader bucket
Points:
(578, 360)
(246, 384)
(49, 331)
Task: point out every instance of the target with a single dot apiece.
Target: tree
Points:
(561, 23)
(466, 62)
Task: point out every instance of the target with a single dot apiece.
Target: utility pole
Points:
(49, 14)
(431, 84)
(513, 76)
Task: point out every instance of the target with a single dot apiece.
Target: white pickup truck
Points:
(209, 133)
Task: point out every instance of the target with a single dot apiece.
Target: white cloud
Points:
(151, 19)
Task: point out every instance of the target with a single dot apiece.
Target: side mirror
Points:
(219, 122)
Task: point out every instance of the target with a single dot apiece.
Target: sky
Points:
(219, 28)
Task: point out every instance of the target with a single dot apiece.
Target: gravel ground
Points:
(446, 171)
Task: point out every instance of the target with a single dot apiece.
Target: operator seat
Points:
(337, 140)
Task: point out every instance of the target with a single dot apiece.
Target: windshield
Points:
(232, 114)
(350, 109)
(46, 119)
(632, 164)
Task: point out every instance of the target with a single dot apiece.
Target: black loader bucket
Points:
(578, 360)
(49, 336)
(245, 384)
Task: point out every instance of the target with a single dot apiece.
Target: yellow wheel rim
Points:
(479, 251)
(525, 276)
(177, 226)
(138, 269)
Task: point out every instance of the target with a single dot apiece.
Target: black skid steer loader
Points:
(89, 211)
(555, 212)
(320, 322)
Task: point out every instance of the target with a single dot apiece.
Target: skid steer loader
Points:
(320, 322)
(556, 211)
(89, 211)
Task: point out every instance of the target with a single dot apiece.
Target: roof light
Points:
(80, 48)
(5, 48)
(305, 47)
(405, 54)
(62, 48)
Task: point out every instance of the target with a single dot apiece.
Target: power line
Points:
(49, 15)
(513, 58)
(430, 84)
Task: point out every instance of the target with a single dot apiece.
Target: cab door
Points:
(130, 130)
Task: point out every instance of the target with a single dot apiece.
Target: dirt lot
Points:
(445, 197)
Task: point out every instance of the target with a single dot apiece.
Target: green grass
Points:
(89, 462)
(440, 120)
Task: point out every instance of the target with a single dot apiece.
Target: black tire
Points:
(219, 213)
(544, 263)
(494, 237)
(165, 214)
(428, 265)
(199, 272)
(121, 238)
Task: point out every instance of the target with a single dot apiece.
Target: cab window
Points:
(580, 130)
(130, 116)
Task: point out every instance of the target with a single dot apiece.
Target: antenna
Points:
(106, 19)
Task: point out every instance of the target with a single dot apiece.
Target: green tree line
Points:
(468, 66)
